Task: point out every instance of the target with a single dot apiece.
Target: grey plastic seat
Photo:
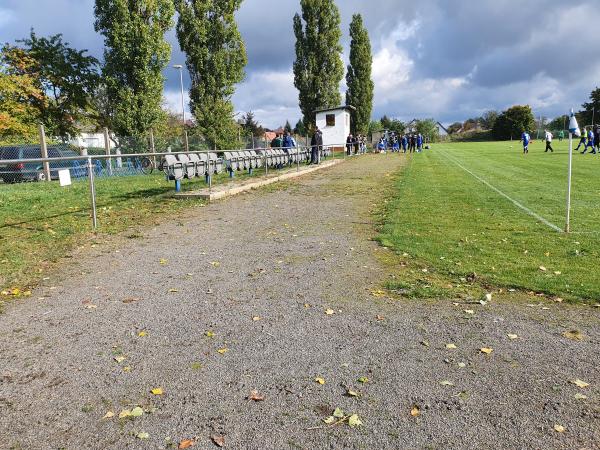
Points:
(189, 168)
(217, 164)
(172, 167)
(231, 161)
(258, 160)
(200, 166)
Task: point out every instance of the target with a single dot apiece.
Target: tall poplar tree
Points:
(318, 68)
(358, 76)
(216, 57)
(135, 56)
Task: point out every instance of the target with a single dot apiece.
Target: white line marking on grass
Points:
(512, 200)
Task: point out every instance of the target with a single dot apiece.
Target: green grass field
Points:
(455, 225)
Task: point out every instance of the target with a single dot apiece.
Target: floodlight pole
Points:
(185, 134)
(568, 225)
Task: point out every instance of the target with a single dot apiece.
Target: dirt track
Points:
(259, 272)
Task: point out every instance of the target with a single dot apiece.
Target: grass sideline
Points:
(459, 229)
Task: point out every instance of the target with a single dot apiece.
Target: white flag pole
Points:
(573, 130)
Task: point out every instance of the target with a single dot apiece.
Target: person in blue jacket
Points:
(525, 138)
(404, 143)
(583, 140)
(419, 143)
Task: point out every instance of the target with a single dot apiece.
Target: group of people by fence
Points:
(356, 145)
(590, 138)
(411, 142)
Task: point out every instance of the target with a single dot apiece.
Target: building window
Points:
(330, 120)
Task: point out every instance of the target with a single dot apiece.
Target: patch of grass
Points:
(444, 219)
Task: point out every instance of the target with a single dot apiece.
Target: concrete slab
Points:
(228, 190)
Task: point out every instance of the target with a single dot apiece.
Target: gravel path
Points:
(255, 276)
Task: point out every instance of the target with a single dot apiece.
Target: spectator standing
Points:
(349, 144)
(597, 137)
(583, 140)
(315, 146)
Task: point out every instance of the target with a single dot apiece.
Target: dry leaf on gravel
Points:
(329, 420)
(363, 380)
(379, 318)
(254, 395)
(209, 334)
(142, 334)
(124, 414)
(486, 350)
(354, 421)
(222, 351)
(218, 440)
(415, 411)
(580, 383)
(512, 336)
(157, 391)
(137, 412)
(329, 312)
(574, 335)
(109, 415)
(559, 428)
(446, 383)
(469, 311)
(131, 299)
(163, 262)
(450, 346)
(142, 435)
(579, 396)
(173, 291)
(338, 413)
(186, 443)
(351, 393)
(119, 359)
(256, 318)
(320, 380)
(215, 263)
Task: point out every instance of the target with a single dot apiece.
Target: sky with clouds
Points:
(447, 59)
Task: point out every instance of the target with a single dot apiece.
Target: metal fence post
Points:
(152, 147)
(107, 151)
(90, 167)
(298, 158)
(44, 148)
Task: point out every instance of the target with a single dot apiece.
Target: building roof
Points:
(336, 108)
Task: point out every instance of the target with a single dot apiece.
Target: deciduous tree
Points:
(358, 78)
(135, 56)
(512, 122)
(215, 57)
(318, 68)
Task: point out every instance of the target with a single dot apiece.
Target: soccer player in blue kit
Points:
(525, 138)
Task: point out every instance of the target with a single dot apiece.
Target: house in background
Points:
(90, 140)
(442, 131)
(334, 123)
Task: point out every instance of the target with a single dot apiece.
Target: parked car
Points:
(14, 173)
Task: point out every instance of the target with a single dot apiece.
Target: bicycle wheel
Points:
(147, 166)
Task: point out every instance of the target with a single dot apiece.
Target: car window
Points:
(9, 153)
(32, 153)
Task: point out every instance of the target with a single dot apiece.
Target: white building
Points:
(334, 123)
(90, 140)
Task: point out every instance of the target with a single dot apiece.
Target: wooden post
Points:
(152, 147)
(44, 148)
(107, 151)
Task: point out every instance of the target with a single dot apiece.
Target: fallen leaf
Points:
(425, 343)
(215, 263)
(222, 351)
(469, 311)
(172, 291)
(218, 440)
(450, 346)
(163, 262)
(559, 428)
(127, 369)
(142, 334)
(415, 411)
(462, 365)
(512, 336)
(486, 350)
(254, 395)
(339, 413)
(574, 335)
(352, 393)
(329, 312)
(143, 435)
(209, 334)
(580, 383)
(109, 415)
(131, 300)
(363, 380)
(157, 391)
(125, 413)
(378, 293)
(488, 297)
(137, 412)
(187, 443)
(446, 383)
(543, 269)
(329, 420)
(256, 318)
(119, 359)
(354, 421)
(320, 380)
(579, 396)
